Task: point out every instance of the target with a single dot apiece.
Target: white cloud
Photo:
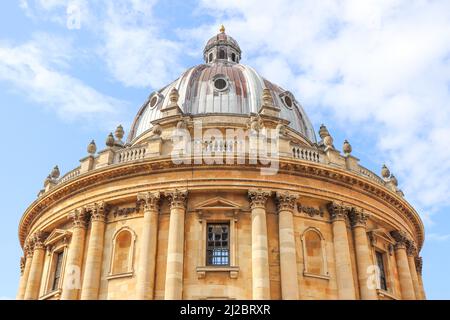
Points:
(38, 70)
(379, 68)
(438, 237)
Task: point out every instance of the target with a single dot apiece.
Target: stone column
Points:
(288, 258)
(147, 258)
(92, 272)
(260, 254)
(25, 266)
(175, 251)
(404, 274)
(72, 275)
(37, 265)
(363, 261)
(344, 271)
(419, 275)
(412, 253)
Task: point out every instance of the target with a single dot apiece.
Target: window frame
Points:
(49, 283)
(382, 271)
(208, 248)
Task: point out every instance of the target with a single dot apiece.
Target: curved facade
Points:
(147, 219)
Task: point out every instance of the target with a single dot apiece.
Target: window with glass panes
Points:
(58, 269)
(380, 263)
(218, 244)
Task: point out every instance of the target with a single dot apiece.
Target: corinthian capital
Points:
(338, 211)
(286, 201)
(98, 211)
(177, 198)
(358, 218)
(79, 218)
(38, 239)
(22, 265)
(150, 200)
(258, 198)
(418, 261)
(28, 249)
(401, 239)
(411, 248)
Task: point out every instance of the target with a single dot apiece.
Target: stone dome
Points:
(222, 86)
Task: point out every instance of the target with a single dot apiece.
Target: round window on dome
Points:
(288, 101)
(153, 101)
(220, 84)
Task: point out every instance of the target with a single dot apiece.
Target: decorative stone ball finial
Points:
(119, 133)
(92, 148)
(394, 180)
(323, 132)
(174, 96)
(267, 97)
(385, 173)
(110, 140)
(55, 173)
(347, 148)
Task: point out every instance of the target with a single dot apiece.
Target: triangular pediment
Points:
(218, 203)
(382, 233)
(57, 235)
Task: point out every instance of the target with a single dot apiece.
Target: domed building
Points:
(221, 191)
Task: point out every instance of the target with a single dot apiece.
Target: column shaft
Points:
(404, 274)
(260, 253)
(344, 272)
(72, 274)
(92, 272)
(414, 277)
(175, 250)
(25, 275)
(35, 276)
(288, 257)
(363, 262)
(147, 259)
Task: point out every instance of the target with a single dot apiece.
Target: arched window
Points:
(222, 54)
(210, 59)
(314, 256)
(123, 249)
(233, 57)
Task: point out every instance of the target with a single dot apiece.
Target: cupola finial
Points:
(222, 29)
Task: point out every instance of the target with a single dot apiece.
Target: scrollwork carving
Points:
(286, 201)
(258, 198)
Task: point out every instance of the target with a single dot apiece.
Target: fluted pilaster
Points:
(72, 275)
(92, 273)
(344, 272)
(147, 260)
(288, 259)
(260, 254)
(175, 251)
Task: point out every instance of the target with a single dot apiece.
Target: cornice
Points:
(296, 167)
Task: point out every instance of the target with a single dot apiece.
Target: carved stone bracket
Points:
(177, 198)
(286, 201)
(258, 198)
(149, 200)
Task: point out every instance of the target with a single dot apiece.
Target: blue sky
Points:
(375, 72)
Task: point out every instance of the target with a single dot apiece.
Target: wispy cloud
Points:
(438, 237)
(38, 69)
(381, 69)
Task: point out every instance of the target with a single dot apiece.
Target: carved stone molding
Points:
(286, 201)
(411, 248)
(79, 218)
(419, 262)
(310, 211)
(98, 211)
(258, 198)
(401, 239)
(122, 212)
(149, 200)
(177, 198)
(28, 249)
(358, 218)
(338, 211)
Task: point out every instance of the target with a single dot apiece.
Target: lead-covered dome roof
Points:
(222, 86)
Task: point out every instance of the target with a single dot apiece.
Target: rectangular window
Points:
(218, 244)
(58, 269)
(380, 264)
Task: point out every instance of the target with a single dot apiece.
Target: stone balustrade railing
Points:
(306, 154)
(130, 154)
(369, 174)
(70, 175)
